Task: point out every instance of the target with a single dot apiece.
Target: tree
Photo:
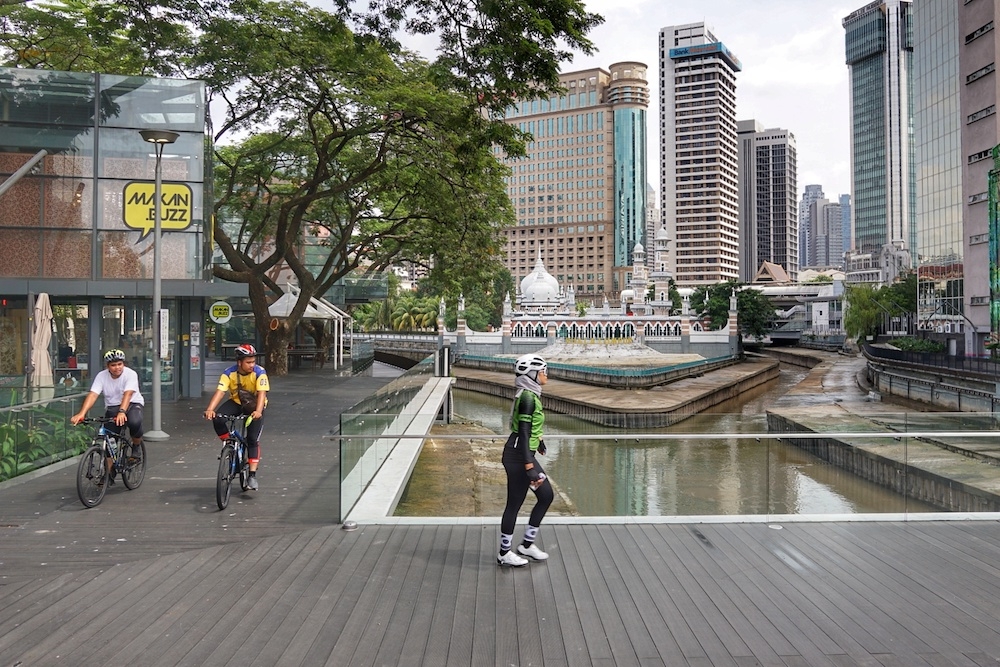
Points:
(862, 313)
(348, 138)
(754, 312)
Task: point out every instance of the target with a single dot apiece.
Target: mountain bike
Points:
(94, 474)
(233, 460)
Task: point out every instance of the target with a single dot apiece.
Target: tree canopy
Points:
(326, 130)
(754, 311)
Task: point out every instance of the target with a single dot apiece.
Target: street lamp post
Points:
(159, 138)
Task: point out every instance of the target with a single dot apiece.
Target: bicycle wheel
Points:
(224, 483)
(134, 471)
(244, 466)
(92, 477)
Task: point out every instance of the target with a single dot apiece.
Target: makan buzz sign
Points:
(175, 207)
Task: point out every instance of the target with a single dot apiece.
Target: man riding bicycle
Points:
(245, 383)
(122, 400)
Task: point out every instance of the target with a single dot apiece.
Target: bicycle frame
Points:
(93, 473)
(236, 464)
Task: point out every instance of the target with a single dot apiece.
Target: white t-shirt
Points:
(113, 389)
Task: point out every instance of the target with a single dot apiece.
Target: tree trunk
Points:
(276, 349)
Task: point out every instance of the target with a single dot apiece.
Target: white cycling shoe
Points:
(532, 552)
(512, 559)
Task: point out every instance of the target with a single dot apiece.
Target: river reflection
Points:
(693, 476)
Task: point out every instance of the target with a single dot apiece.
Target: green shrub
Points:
(918, 345)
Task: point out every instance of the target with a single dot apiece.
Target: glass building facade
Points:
(76, 216)
(938, 146)
(879, 49)
(580, 193)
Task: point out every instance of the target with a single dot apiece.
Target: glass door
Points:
(128, 325)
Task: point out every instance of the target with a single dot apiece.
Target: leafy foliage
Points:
(867, 306)
(918, 345)
(754, 311)
(344, 138)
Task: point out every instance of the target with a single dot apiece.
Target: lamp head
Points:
(159, 136)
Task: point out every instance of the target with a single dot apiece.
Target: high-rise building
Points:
(580, 194)
(826, 226)
(980, 134)
(937, 126)
(768, 186)
(653, 223)
(698, 154)
(811, 194)
(845, 225)
(879, 46)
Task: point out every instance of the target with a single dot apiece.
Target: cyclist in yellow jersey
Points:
(242, 390)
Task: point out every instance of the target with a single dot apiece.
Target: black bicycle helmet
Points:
(245, 350)
(113, 355)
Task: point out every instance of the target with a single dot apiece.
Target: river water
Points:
(691, 475)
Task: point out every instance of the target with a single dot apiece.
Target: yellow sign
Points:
(220, 312)
(176, 206)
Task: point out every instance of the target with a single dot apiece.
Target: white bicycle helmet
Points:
(530, 365)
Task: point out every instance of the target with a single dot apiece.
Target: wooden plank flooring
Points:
(617, 594)
(159, 577)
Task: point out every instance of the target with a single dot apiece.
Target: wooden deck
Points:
(158, 576)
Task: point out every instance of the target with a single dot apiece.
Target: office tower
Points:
(977, 80)
(653, 223)
(879, 45)
(698, 154)
(580, 194)
(811, 194)
(845, 212)
(938, 148)
(826, 234)
(769, 228)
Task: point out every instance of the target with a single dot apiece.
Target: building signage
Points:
(176, 206)
(220, 312)
(705, 49)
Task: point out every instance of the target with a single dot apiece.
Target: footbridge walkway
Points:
(159, 576)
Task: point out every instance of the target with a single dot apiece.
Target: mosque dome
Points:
(539, 287)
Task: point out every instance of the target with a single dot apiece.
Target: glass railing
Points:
(36, 434)
(367, 428)
(826, 462)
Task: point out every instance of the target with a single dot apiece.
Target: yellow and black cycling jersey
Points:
(235, 384)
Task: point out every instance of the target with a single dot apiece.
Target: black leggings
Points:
(517, 491)
(233, 408)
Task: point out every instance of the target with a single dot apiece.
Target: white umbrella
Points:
(41, 360)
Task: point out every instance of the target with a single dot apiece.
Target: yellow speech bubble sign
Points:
(176, 207)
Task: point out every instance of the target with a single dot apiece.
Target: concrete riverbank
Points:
(632, 408)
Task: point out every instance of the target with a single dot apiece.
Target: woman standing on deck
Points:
(523, 470)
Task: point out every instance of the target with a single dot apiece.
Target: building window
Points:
(981, 155)
(982, 113)
(980, 73)
(979, 33)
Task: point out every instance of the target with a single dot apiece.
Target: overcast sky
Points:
(794, 76)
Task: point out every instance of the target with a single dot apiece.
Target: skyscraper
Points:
(580, 194)
(938, 147)
(826, 226)
(811, 194)
(698, 154)
(768, 186)
(879, 45)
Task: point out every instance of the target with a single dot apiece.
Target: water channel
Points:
(692, 476)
